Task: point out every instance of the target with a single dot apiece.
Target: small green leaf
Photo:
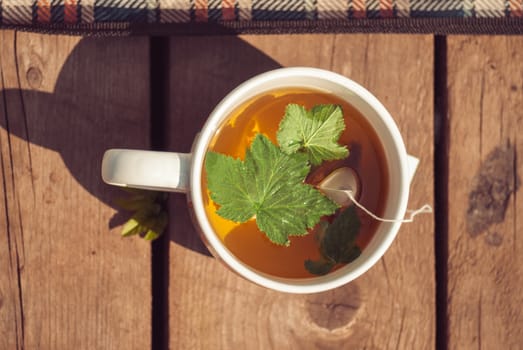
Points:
(156, 226)
(338, 244)
(130, 228)
(267, 185)
(149, 219)
(151, 235)
(315, 132)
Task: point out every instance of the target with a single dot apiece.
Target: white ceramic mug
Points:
(182, 172)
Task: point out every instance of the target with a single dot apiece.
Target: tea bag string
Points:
(425, 209)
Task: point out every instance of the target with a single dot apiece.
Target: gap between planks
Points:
(441, 176)
(159, 93)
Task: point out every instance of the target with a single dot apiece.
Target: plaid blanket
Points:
(119, 14)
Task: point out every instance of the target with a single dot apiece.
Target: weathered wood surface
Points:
(393, 305)
(67, 281)
(485, 268)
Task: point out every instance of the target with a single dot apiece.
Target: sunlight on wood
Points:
(37, 59)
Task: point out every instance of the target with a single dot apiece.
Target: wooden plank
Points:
(485, 273)
(393, 304)
(73, 282)
(11, 247)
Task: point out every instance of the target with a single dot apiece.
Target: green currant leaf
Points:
(267, 186)
(315, 132)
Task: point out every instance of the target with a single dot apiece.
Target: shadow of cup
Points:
(100, 98)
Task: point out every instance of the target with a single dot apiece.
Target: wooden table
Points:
(69, 281)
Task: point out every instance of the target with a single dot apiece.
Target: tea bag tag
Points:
(343, 186)
(425, 209)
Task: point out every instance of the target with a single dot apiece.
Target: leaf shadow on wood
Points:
(208, 69)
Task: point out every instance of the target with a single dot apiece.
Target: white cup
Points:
(182, 172)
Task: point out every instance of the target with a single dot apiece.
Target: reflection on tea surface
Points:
(263, 114)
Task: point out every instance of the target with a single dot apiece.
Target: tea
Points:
(263, 114)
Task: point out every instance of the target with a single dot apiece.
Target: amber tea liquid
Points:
(262, 114)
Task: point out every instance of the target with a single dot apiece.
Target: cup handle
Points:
(412, 165)
(150, 170)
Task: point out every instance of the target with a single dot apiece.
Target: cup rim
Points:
(294, 285)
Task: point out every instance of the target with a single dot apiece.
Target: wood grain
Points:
(68, 281)
(11, 329)
(393, 305)
(485, 269)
